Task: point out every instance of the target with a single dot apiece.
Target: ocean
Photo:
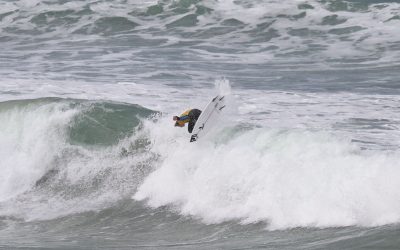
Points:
(305, 156)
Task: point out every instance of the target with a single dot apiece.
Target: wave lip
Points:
(57, 153)
(28, 131)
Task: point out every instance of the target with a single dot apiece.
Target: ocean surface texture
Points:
(306, 156)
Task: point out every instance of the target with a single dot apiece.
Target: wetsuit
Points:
(189, 116)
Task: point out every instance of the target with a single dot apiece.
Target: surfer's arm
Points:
(184, 118)
(180, 121)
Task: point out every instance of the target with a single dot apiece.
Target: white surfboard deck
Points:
(208, 117)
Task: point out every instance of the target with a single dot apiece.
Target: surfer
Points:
(189, 116)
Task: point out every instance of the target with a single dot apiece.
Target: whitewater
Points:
(306, 155)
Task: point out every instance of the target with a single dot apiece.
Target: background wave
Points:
(59, 38)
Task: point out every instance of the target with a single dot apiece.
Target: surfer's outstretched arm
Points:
(189, 116)
(181, 120)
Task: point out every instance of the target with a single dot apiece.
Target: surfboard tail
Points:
(193, 138)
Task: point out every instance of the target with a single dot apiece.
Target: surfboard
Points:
(208, 117)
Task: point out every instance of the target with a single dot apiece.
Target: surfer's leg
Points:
(191, 126)
(194, 114)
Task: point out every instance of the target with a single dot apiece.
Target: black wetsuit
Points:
(193, 116)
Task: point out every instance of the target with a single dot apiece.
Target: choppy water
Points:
(307, 156)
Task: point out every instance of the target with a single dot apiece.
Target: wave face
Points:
(98, 166)
(66, 152)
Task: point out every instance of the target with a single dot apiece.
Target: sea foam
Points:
(285, 178)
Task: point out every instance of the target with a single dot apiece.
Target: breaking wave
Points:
(66, 156)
